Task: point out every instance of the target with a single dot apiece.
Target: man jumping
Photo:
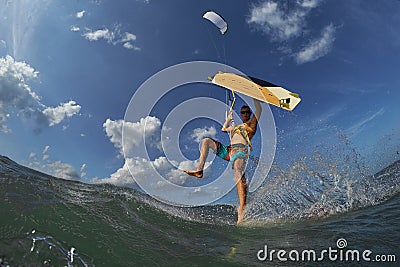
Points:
(236, 152)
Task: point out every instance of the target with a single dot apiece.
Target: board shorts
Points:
(231, 152)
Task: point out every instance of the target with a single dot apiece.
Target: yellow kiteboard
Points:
(258, 89)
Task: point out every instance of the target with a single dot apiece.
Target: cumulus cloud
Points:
(150, 127)
(272, 18)
(318, 47)
(133, 135)
(16, 96)
(144, 167)
(58, 114)
(114, 132)
(113, 37)
(123, 177)
(200, 133)
(141, 167)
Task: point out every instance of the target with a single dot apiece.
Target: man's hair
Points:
(245, 106)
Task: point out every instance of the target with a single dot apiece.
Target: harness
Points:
(241, 129)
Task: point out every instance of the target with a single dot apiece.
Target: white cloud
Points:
(199, 133)
(113, 37)
(98, 34)
(13, 77)
(309, 3)
(55, 168)
(141, 167)
(34, 164)
(75, 28)
(80, 14)
(272, 18)
(58, 114)
(114, 131)
(83, 168)
(122, 176)
(284, 21)
(317, 48)
(128, 45)
(128, 37)
(175, 175)
(150, 127)
(3, 127)
(62, 170)
(46, 148)
(17, 96)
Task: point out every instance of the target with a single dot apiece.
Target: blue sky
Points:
(68, 70)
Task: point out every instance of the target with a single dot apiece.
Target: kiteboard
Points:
(258, 89)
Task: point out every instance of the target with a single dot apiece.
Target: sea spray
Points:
(329, 178)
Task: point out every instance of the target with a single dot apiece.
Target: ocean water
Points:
(329, 211)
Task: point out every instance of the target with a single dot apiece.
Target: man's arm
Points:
(226, 127)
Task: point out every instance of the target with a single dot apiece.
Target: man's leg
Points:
(238, 168)
(205, 146)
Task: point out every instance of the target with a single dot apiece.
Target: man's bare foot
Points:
(195, 173)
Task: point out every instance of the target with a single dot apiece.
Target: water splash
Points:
(326, 180)
(40, 249)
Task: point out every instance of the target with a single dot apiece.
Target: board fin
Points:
(285, 105)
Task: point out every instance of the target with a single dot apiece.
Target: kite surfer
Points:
(236, 152)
